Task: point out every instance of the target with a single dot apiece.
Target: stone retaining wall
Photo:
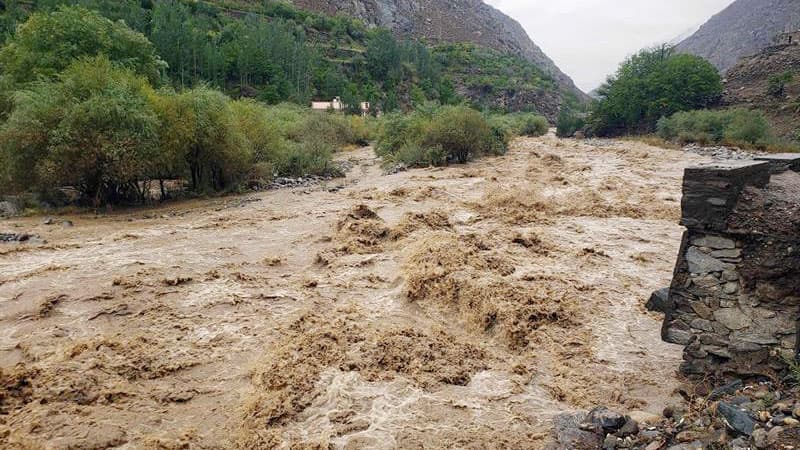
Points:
(734, 302)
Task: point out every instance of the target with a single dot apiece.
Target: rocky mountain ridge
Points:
(447, 21)
(742, 29)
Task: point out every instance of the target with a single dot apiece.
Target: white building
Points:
(337, 105)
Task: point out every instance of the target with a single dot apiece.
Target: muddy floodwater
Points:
(458, 307)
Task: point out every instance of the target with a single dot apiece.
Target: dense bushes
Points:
(535, 126)
(432, 136)
(732, 127)
(295, 141)
(93, 129)
(104, 131)
(79, 106)
(461, 132)
(519, 124)
(213, 148)
(652, 84)
(79, 110)
(437, 135)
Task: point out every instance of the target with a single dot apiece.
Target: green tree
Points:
(260, 135)
(92, 128)
(384, 57)
(652, 84)
(48, 42)
(200, 130)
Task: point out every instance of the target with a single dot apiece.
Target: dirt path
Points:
(459, 307)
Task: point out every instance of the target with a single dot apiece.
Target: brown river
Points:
(458, 307)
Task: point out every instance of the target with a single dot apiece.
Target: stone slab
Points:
(711, 191)
(781, 162)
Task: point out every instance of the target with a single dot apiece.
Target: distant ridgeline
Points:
(274, 52)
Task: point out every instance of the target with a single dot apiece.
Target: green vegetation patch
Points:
(740, 127)
(652, 84)
(438, 135)
(482, 68)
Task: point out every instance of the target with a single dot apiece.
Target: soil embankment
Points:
(456, 307)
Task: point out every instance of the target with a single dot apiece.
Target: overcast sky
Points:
(589, 38)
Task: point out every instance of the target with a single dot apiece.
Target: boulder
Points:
(570, 436)
(610, 443)
(738, 420)
(631, 428)
(733, 318)
(12, 237)
(760, 438)
(774, 435)
(690, 446)
(659, 301)
(610, 421)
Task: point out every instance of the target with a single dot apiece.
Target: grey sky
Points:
(589, 38)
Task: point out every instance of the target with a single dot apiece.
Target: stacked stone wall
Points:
(734, 301)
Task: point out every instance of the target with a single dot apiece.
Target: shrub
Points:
(260, 134)
(734, 127)
(415, 155)
(435, 135)
(327, 127)
(93, 129)
(362, 130)
(776, 85)
(535, 126)
(460, 131)
(502, 137)
(309, 157)
(569, 123)
(749, 127)
(401, 130)
(519, 124)
(649, 85)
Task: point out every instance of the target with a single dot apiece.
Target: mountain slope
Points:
(447, 21)
(742, 29)
(749, 83)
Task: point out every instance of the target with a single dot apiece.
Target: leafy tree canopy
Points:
(48, 42)
(652, 84)
(92, 128)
